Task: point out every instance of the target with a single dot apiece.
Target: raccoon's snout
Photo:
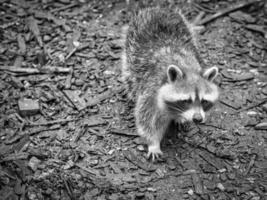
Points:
(195, 114)
(197, 118)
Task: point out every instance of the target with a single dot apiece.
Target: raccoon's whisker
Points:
(175, 108)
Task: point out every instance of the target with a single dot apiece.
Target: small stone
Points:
(94, 162)
(237, 132)
(140, 148)
(264, 107)
(28, 107)
(252, 113)
(76, 43)
(110, 152)
(261, 126)
(220, 187)
(222, 170)
(151, 189)
(47, 38)
(79, 82)
(34, 163)
(190, 192)
(61, 57)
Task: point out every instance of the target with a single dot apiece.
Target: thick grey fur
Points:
(149, 31)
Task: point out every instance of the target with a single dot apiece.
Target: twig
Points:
(257, 28)
(228, 105)
(59, 121)
(21, 44)
(198, 18)
(68, 79)
(15, 156)
(77, 49)
(123, 132)
(101, 97)
(30, 71)
(33, 26)
(64, 7)
(251, 163)
(89, 170)
(71, 53)
(226, 11)
(68, 188)
(254, 105)
(202, 8)
(214, 126)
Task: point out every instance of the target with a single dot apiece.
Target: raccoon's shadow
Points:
(174, 134)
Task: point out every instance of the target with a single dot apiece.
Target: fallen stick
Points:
(64, 7)
(33, 26)
(226, 11)
(89, 170)
(101, 97)
(257, 28)
(228, 105)
(59, 121)
(198, 18)
(253, 105)
(200, 7)
(30, 71)
(15, 156)
(31, 133)
(123, 132)
(71, 53)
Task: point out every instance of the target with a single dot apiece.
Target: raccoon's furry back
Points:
(154, 39)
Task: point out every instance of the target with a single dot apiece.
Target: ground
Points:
(67, 128)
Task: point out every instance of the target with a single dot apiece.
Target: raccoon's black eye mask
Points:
(206, 104)
(179, 105)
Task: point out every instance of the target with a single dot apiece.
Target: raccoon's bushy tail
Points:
(125, 71)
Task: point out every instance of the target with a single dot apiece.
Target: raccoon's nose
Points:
(197, 118)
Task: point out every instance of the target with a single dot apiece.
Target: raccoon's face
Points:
(187, 96)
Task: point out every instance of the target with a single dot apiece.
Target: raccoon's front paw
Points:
(154, 152)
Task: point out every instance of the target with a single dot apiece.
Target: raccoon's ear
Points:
(211, 73)
(174, 72)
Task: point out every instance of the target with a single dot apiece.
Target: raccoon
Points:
(165, 75)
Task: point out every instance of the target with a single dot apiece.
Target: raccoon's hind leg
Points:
(151, 124)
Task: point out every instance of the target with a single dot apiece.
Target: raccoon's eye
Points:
(206, 104)
(186, 101)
